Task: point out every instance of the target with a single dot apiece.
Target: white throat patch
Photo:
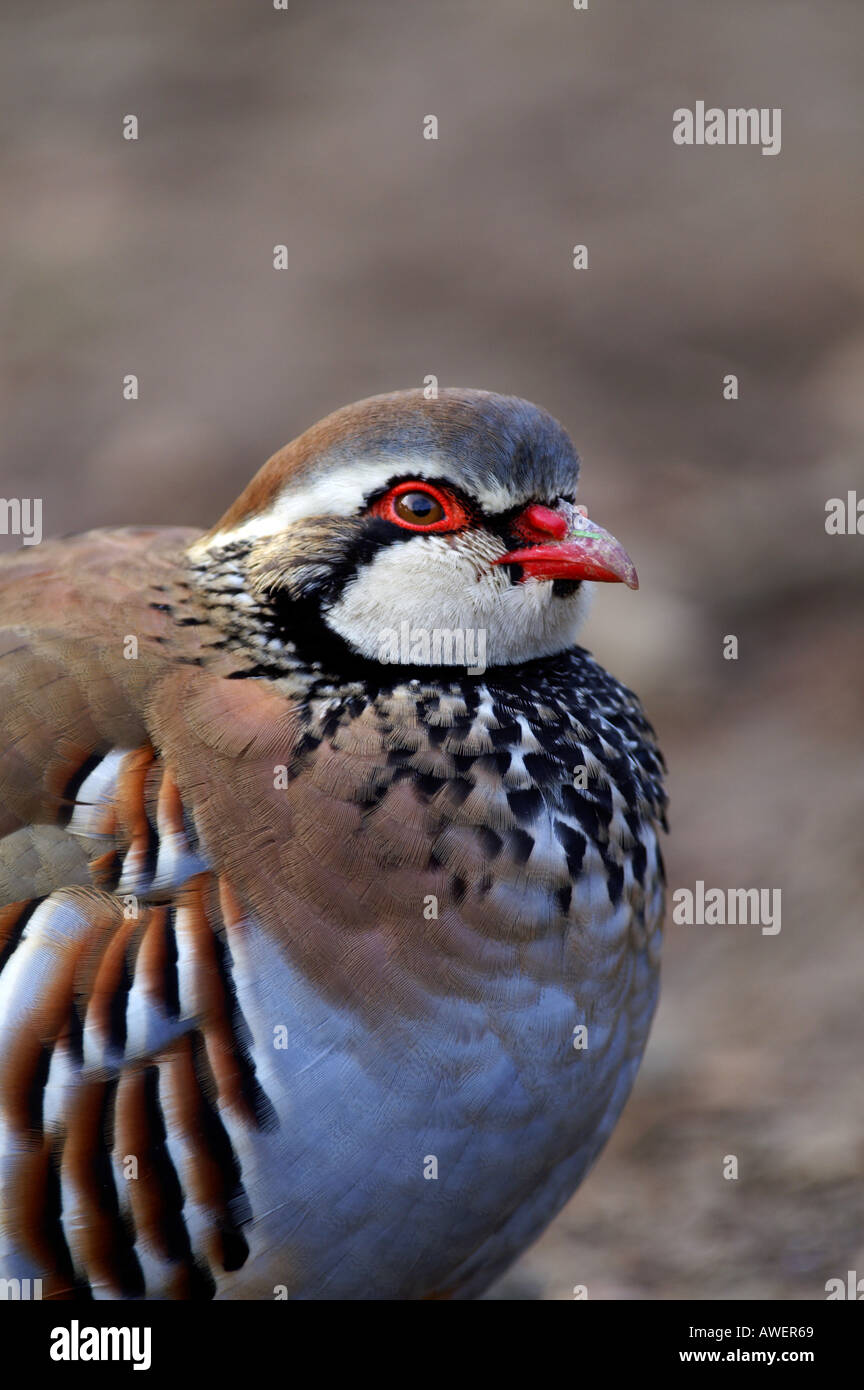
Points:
(440, 585)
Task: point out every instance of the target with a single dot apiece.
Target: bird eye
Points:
(422, 506)
(419, 508)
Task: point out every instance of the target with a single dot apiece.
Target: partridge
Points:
(330, 886)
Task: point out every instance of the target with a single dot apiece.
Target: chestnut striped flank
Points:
(124, 1054)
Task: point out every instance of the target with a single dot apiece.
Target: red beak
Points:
(576, 549)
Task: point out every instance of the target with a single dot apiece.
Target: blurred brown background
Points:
(410, 257)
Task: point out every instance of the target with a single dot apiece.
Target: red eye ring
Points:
(453, 514)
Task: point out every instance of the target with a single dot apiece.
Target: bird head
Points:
(405, 514)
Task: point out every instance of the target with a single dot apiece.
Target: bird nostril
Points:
(541, 523)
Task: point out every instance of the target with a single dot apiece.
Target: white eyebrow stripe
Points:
(343, 492)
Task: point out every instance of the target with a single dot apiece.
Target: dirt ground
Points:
(454, 257)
